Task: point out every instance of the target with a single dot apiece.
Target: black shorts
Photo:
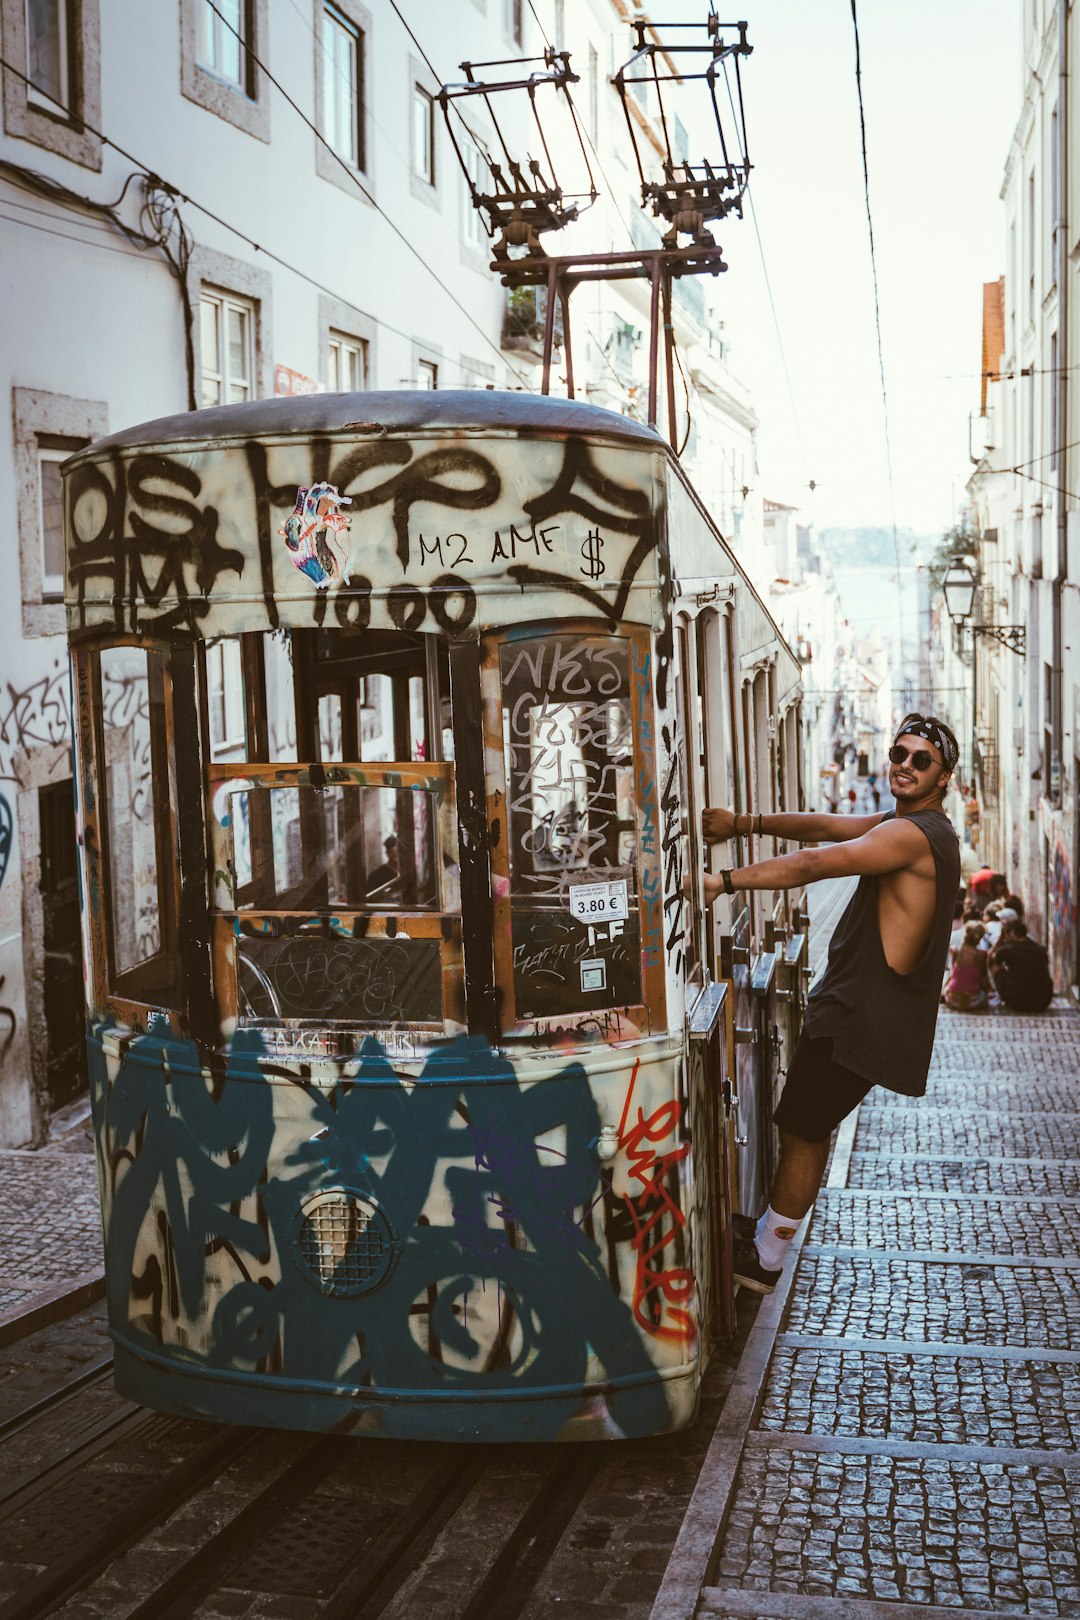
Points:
(819, 1093)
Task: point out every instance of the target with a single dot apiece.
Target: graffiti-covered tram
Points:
(423, 1086)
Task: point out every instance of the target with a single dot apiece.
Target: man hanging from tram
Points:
(870, 1020)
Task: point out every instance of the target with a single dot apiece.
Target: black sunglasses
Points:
(921, 759)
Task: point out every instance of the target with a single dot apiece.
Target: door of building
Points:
(65, 1062)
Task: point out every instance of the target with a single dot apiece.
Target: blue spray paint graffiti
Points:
(465, 1131)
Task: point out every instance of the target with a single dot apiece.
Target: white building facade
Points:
(179, 230)
(1021, 743)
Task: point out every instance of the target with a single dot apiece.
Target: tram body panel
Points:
(226, 1201)
(326, 1205)
(425, 528)
(765, 685)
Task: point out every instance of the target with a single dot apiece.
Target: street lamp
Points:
(959, 588)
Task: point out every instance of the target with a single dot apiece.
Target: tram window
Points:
(569, 751)
(330, 726)
(341, 846)
(691, 751)
(225, 699)
(335, 978)
(280, 703)
(140, 830)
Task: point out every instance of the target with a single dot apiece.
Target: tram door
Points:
(63, 978)
(717, 772)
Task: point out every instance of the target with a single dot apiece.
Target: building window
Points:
(513, 17)
(48, 54)
(1031, 246)
(1055, 194)
(220, 44)
(227, 329)
(223, 35)
(51, 515)
(594, 96)
(1052, 402)
(52, 97)
(343, 86)
(346, 371)
(427, 374)
(423, 135)
(48, 429)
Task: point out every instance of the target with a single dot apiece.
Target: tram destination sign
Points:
(600, 902)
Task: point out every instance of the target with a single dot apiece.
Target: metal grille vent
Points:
(343, 1241)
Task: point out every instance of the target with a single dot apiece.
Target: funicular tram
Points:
(423, 1088)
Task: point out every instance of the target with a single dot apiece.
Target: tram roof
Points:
(388, 410)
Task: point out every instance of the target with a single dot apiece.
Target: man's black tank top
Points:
(882, 1022)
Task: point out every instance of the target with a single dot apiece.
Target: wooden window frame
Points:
(378, 921)
(221, 301)
(689, 733)
(180, 915)
(650, 1014)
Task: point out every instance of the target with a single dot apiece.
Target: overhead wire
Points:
(601, 348)
(364, 191)
(874, 274)
(234, 230)
(811, 482)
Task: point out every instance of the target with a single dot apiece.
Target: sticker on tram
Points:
(310, 529)
(594, 973)
(600, 902)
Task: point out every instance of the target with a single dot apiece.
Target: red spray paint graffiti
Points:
(661, 1292)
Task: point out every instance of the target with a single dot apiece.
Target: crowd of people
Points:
(994, 964)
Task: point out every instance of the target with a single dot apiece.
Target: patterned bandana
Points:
(916, 725)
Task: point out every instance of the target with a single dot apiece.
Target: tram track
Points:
(96, 1373)
(355, 1528)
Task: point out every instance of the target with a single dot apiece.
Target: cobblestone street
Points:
(916, 1440)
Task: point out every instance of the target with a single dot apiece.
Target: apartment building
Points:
(1011, 669)
(207, 201)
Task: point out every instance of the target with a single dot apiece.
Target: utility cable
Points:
(234, 230)
(601, 348)
(811, 483)
(360, 186)
(874, 274)
(167, 233)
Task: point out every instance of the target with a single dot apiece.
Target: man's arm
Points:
(889, 848)
(802, 827)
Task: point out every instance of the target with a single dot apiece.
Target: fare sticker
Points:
(600, 902)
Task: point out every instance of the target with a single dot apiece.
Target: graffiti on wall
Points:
(502, 1234)
(1061, 913)
(34, 716)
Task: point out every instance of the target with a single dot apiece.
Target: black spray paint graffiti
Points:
(148, 565)
(463, 1139)
(581, 487)
(140, 528)
(7, 833)
(36, 716)
(671, 849)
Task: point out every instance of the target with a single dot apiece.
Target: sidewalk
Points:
(916, 1443)
(50, 1224)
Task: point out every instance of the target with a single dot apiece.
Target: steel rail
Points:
(45, 1592)
(29, 1413)
(202, 1573)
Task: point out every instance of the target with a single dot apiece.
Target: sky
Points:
(942, 87)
